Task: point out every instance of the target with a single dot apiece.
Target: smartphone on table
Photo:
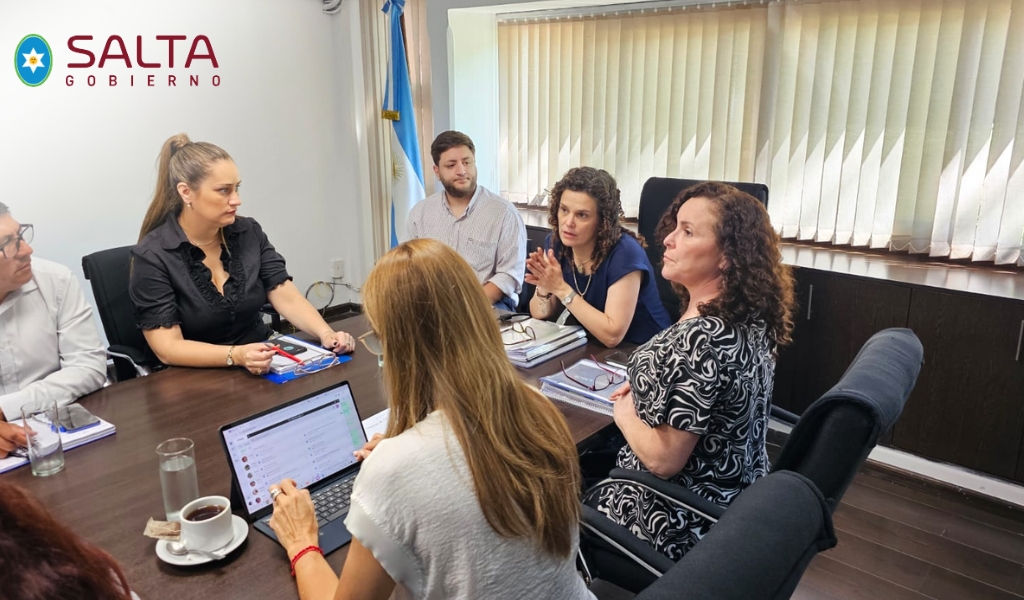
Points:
(618, 359)
(74, 417)
(290, 348)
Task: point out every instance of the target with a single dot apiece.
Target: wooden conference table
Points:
(111, 487)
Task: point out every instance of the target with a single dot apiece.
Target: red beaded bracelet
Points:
(302, 553)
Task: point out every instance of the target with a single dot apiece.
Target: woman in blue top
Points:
(591, 268)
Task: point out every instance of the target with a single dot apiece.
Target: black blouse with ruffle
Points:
(170, 285)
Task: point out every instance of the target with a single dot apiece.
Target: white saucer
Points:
(239, 528)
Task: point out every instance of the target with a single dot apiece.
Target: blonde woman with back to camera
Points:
(201, 272)
(473, 492)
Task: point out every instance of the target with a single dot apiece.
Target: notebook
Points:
(574, 388)
(313, 352)
(70, 441)
(567, 345)
(531, 341)
(311, 440)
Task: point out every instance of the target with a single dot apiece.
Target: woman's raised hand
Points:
(544, 270)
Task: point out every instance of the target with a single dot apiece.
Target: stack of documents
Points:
(313, 353)
(583, 375)
(69, 440)
(530, 342)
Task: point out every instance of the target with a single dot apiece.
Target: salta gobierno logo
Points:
(32, 60)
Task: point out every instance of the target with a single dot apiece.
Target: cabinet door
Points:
(789, 356)
(968, 405)
(839, 314)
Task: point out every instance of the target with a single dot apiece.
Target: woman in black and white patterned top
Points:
(695, 409)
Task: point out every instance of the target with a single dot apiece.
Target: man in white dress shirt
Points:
(484, 228)
(49, 346)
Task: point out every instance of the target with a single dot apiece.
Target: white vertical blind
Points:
(996, 208)
(882, 123)
(659, 93)
(1008, 128)
(967, 224)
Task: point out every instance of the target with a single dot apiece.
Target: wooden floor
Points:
(903, 538)
(900, 537)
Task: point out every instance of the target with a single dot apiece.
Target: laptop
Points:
(310, 440)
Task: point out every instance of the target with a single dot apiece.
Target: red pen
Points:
(286, 355)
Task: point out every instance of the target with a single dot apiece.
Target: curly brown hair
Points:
(755, 283)
(601, 186)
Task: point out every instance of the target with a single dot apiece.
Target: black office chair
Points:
(829, 444)
(759, 550)
(534, 239)
(655, 198)
(107, 272)
(275, 317)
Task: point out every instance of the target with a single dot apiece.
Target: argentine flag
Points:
(406, 166)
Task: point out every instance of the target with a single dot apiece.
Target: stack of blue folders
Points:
(572, 391)
(530, 342)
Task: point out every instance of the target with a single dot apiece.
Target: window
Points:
(890, 124)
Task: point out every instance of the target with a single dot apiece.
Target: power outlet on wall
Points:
(338, 268)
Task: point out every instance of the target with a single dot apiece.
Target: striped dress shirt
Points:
(490, 235)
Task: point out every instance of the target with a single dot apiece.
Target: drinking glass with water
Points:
(42, 431)
(177, 475)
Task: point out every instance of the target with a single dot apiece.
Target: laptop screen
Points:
(307, 440)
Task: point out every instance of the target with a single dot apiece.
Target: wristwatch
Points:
(231, 360)
(569, 298)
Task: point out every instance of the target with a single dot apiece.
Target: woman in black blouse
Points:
(200, 273)
(695, 409)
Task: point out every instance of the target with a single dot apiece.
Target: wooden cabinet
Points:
(788, 359)
(836, 314)
(968, 405)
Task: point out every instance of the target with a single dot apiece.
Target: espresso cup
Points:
(206, 523)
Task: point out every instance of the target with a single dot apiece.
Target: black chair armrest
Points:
(611, 552)
(783, 415)
(128, 362)
(674, 493)
(759, 549)
(133, 354)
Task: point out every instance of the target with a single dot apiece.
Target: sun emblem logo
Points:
(397, 170)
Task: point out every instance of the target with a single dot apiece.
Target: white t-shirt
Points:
(414, 508)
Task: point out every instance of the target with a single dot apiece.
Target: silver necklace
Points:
(562, 318)
(577, 283)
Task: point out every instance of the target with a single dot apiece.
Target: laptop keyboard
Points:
(332, 501)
